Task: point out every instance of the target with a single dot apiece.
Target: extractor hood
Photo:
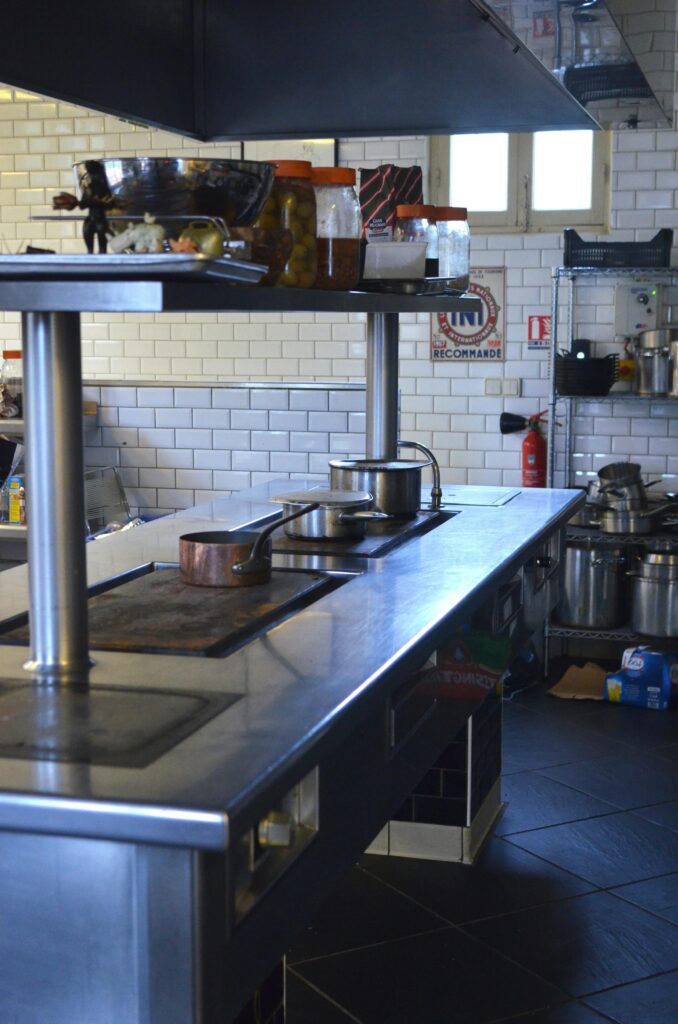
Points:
(248, 69)
(616, 57)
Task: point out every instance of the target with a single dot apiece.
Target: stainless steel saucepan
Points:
(395, 484)
(614, 520)
(338, 515)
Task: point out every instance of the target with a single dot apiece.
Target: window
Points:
(539, 182)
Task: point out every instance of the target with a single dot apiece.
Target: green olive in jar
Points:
(289, 213)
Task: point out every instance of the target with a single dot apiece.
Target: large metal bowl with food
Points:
(233, 190)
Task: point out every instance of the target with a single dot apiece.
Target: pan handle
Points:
(262, 563)
(368, 515)
(436, 492)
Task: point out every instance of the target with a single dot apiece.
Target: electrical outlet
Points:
(511, 386)
(493, 385)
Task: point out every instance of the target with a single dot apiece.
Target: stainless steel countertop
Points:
(300, 684)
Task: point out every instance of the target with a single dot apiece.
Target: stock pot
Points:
(395, 484)
(594, 585)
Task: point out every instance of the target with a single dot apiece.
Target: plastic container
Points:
(339, 225)
(454, 245)
(285, 231)
(12, 379)
(394, 261)
(654, 253)
(416, 223)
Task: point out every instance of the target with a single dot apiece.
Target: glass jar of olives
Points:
(285, 231)
(339, 227)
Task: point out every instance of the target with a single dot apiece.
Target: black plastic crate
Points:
(654, 253)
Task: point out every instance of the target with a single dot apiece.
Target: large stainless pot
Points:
(339, 515)
(594, 586)
(654, 606)
(673, 348)
(395, 484)
(651, 354)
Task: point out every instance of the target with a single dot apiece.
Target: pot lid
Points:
(661, 558)
(376, 465)
(326, 499)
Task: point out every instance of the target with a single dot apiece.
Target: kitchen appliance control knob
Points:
(276, 829)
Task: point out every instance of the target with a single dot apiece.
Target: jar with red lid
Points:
(416, 223)
(285, 231)
(339, 227)
(454, 245)
(11, 384)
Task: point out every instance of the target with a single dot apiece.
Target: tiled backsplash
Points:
(178, 446)
(442, 405)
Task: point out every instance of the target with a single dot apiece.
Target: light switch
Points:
(493, 385)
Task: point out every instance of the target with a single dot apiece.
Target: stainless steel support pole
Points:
(553, 349)
(381, 429)
(57, 569)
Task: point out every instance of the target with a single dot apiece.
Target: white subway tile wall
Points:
(172, 456)
(234, 437)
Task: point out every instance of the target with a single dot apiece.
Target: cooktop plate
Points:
(121, 727)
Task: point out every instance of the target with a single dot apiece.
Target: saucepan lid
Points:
(324, 498)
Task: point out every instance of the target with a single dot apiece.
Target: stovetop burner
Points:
(380, 540)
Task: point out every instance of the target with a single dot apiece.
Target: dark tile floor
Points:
(570, 915)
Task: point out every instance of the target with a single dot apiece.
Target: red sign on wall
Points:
(543, 25)
(539, 330)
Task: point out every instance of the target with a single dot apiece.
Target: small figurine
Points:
(97, 199)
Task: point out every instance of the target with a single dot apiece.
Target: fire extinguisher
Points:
(534, 446)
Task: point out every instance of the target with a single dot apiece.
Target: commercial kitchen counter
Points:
(315, 710)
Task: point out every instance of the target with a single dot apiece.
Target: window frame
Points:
(519, 217)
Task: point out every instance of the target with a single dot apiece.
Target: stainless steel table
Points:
(51, 302)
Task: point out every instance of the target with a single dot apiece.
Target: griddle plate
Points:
(117, 726)
(158, 614)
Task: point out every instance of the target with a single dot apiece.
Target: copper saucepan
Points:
(230, 558)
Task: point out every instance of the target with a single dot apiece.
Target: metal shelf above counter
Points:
(171, 295)
(13, 531)
(15, 426)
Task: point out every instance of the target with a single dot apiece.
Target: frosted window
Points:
(479, 172)
(562, 170)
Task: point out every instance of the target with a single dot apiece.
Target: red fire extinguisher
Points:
(534, 449)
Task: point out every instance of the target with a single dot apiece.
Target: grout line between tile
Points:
(373, 945)
(324, 995)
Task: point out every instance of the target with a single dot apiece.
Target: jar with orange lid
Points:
(339, 227)
(285, 231)
(416, 223)
(11, 384)
(454, 245)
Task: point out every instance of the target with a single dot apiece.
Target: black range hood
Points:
(262, 69)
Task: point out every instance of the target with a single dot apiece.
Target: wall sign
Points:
(539, 330)
(467, 337)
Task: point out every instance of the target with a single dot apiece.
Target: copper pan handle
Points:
(262, 563)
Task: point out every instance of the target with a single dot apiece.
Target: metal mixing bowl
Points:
(234, 190)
